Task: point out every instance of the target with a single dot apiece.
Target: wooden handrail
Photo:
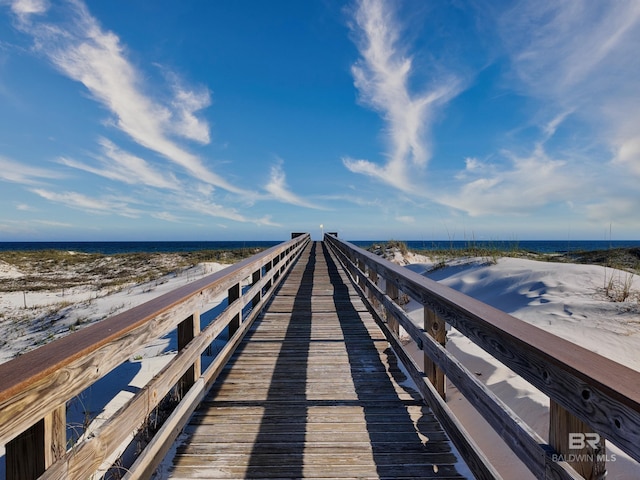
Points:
(38, 384)
(601, 393)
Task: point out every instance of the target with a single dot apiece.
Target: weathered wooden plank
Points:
(316, 472)
(440, 449)
(317, 459)
(33, 384)
(600, 392)
(314, 391)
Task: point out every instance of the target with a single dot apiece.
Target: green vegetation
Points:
(60, 270)
(441, 256)
(627, 259)
(620, 258)
(621, 264)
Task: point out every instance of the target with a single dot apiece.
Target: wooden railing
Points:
(591, 397)
(36, 387)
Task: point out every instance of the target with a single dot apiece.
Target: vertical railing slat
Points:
(29, 454)
(435, 327)
(392, 291)
(574, 440)
(188, 329)
(233, 295)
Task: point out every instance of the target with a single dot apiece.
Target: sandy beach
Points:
(570, 300)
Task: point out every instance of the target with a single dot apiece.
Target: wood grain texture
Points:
(32, 385)
(598, 391)
(534, 451)
(314, 390)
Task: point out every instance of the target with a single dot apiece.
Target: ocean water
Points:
(110, 248)
(537, 246)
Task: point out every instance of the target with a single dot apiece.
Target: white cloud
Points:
(16, 172)
(382, 77)
(209, 208)
(277, 187)
(125, 167)
(529, 183)
(355, 199)
(167, 216)
(406, 219)
(93, 205)
(552, 126)
(86, 53)
(582, 57)
(628, 153)
(558, 46)
(619, 210)
(52, 223)
(24, 8)
(185, 104)
(576, 61)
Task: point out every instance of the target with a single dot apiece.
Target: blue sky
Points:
(417, 120)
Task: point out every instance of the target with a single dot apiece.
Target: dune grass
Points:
(59, 270)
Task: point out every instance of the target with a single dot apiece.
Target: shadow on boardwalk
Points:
(314, 392)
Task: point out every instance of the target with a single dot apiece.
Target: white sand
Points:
(77, 308)
(565, 299)
(30, 319)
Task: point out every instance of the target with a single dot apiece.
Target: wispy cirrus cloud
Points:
(528, 183)
(576, 62)
(79, 201)
(582, 55)
(382, 76)
(83, 51)
(278, 189)
(210, 208)
(567, 49)
(116, 164)
(24, 8)
(16, 172)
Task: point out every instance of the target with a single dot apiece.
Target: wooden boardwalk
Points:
(314, 391)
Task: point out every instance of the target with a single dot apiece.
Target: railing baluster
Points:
(255, 278)
(594, 390)
(361, 273)
(373, 276)
(567, 431)
(62, 369)
(392, 291)
(267, 268)
(233, 295)
(188, 329)
(435, 327)
(30, 453)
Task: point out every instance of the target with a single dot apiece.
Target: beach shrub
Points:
(618, 286)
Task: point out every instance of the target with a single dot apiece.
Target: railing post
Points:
(373, 276)
(233, 295)
(392, 291)
(33, 451)
(255, 278)
(575, 440)
(361, 273)
(188, 329)
(267, 285)
(435, 327)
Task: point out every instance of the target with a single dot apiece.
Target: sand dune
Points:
(568, 300)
